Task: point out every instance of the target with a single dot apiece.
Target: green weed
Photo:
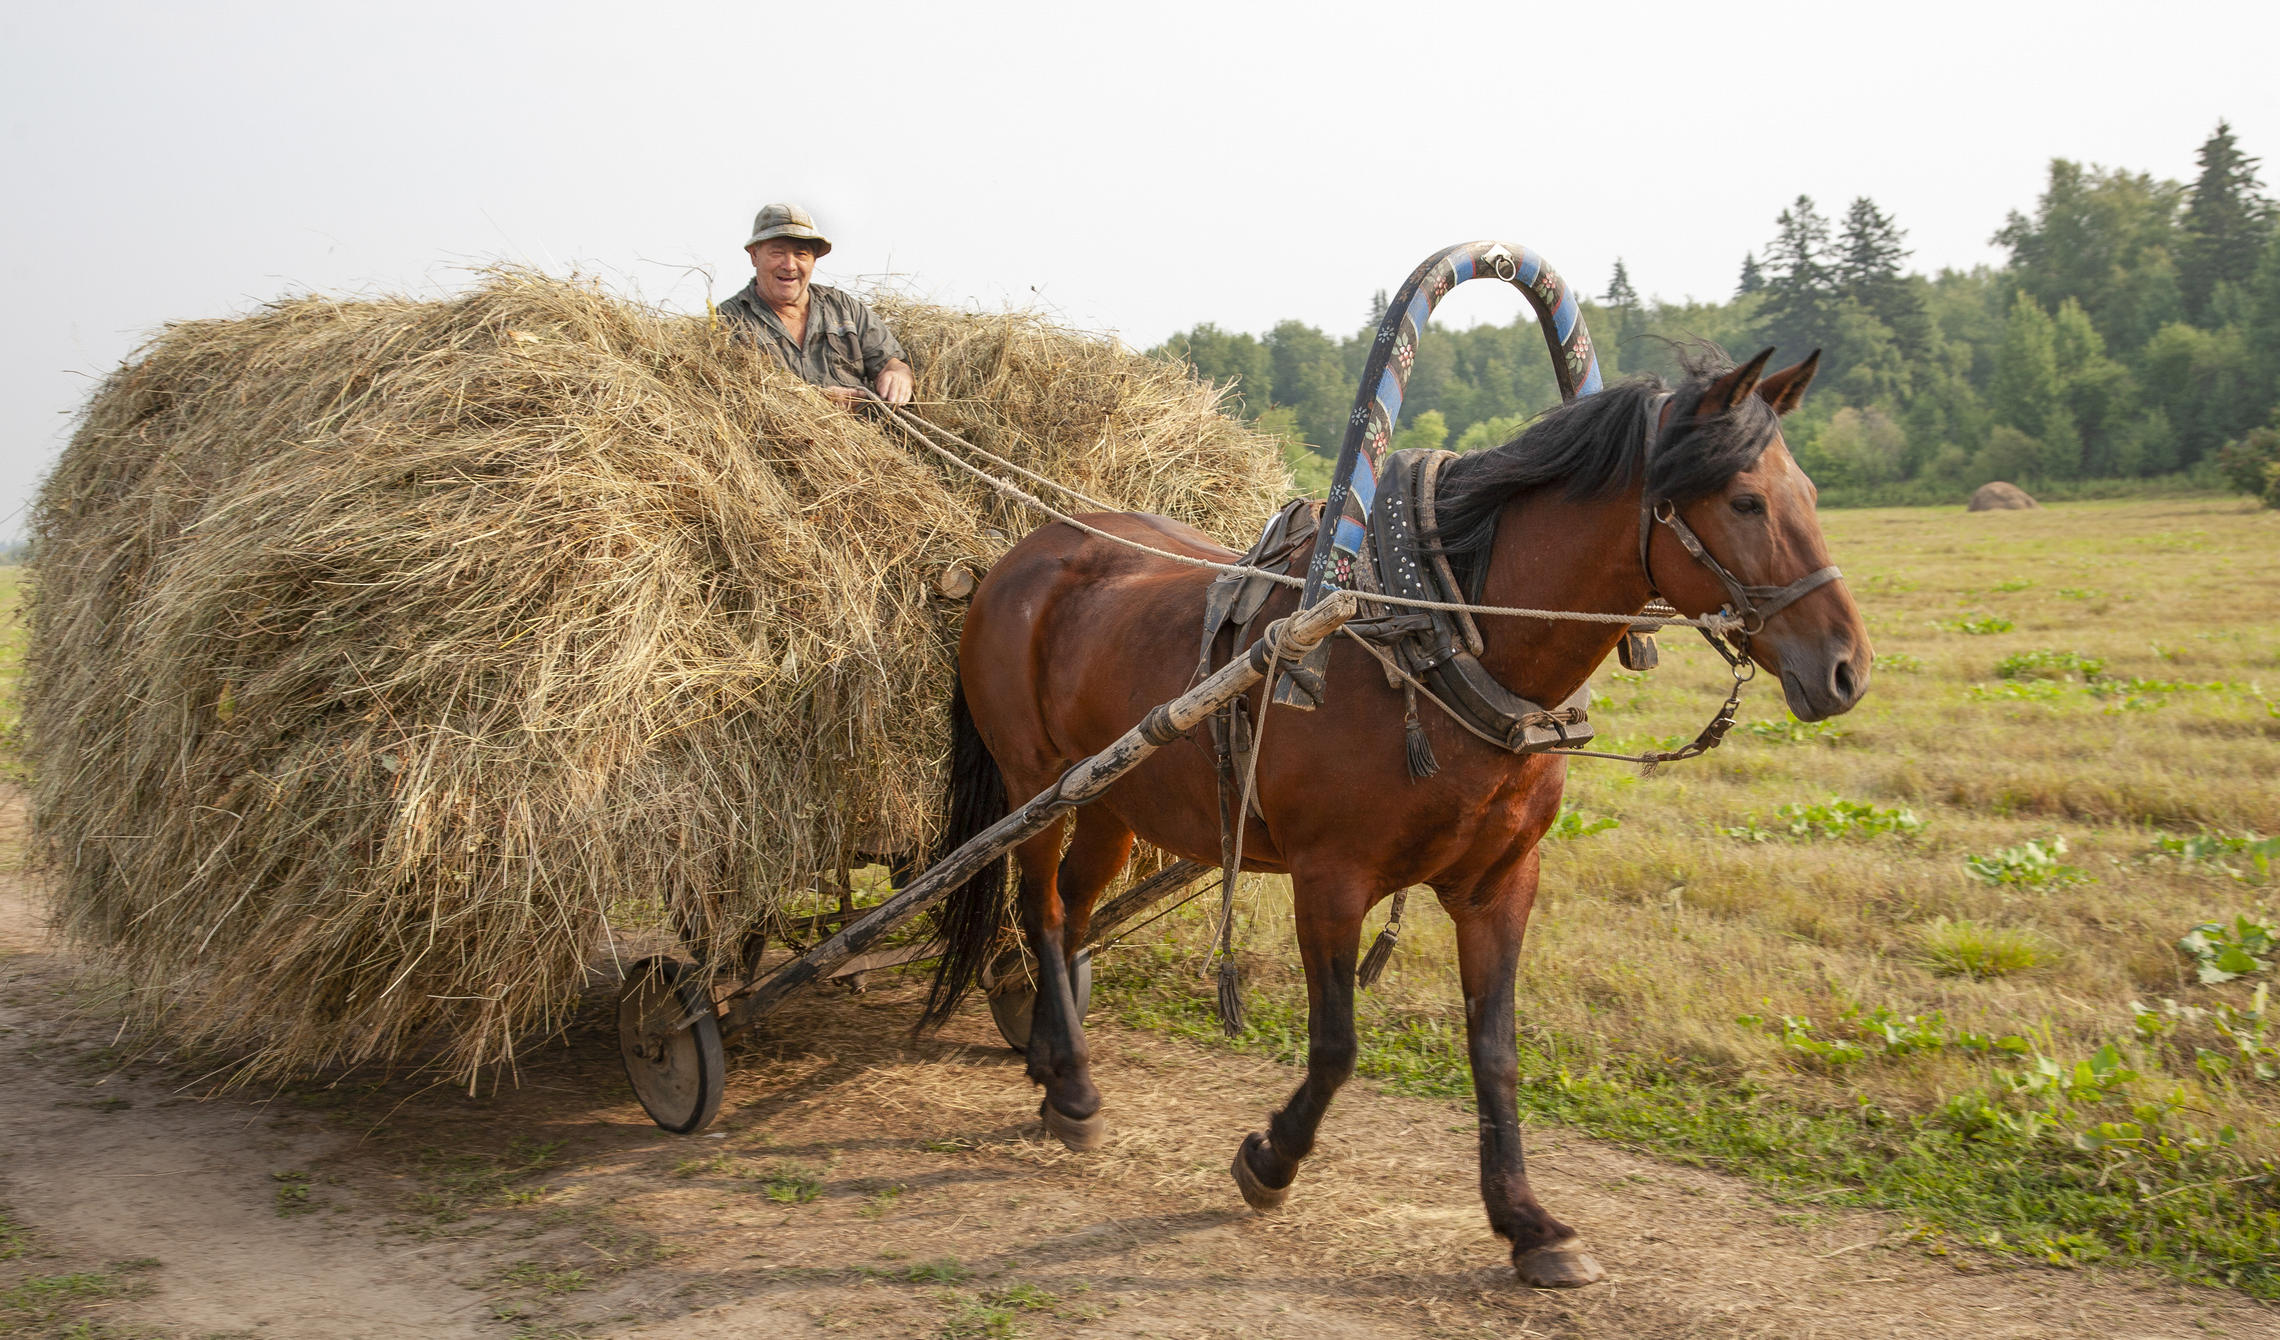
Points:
(1834, 818)
(2049, 665)
(2222, 953)
(1899, 662)
(532, 1275)
(791, 1183)
(2242, 1034)
(46, 1305)
(2030, 865)
(1792, 731)
(1979, 625)
(1879, 1031)
(1572, 823)
(941, 1270)
(972, 1319)
(1026, 1297)
(2028, 690)
(876, 1205)
(2246, 857)
(292, 1195)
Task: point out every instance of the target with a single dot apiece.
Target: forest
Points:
(2130, 343)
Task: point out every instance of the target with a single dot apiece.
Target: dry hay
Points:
(1999, 496)
(383, 650)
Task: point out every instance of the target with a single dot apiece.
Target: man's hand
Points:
(842, 396)
(894, 382)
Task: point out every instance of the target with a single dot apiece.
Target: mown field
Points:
(1925, 956)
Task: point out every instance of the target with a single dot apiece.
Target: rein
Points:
(1715, 628)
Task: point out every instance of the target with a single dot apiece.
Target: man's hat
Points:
(787, 221)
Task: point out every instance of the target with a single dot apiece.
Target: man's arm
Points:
(883, 359)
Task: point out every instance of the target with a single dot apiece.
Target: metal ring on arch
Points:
(1385, 377)
(1377, 403)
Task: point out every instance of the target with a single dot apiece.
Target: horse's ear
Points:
(1785, 390)
(1730, 390)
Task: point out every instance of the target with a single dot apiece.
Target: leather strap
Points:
(1753, 605)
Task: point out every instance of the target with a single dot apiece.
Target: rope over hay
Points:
(383, 652)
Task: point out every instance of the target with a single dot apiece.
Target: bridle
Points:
(1748, 606)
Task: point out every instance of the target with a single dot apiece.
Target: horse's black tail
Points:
(968, 919)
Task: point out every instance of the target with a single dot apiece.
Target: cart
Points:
(671, 1031)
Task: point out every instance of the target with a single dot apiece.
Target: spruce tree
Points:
(1800, 288)
(2225, 224)
(1619, 291)
(1753, 278)
(1867, 266)
(1868, 256)
(1630, 317)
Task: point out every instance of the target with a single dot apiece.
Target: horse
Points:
(1070, 639)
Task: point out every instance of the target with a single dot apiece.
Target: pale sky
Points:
(1135, 168)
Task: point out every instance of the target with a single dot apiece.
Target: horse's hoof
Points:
(1557, 1265)
(1256, 1194)
(1081, 1135)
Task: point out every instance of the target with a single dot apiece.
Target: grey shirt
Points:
(847, 344)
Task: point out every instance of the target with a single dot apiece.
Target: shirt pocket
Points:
(843, 351)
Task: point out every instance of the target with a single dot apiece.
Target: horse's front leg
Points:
(1491, 916)
(1056, 907)
(1328, 912)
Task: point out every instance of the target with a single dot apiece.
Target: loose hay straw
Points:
(380, 647)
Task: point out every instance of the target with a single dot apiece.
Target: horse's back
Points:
(1073, 635)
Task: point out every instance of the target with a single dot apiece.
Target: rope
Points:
(919, 428)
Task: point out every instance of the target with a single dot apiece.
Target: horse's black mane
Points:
(1592, 446)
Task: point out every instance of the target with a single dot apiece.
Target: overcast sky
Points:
(1136, 168)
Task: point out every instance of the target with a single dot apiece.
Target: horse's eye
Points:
(1749, 504)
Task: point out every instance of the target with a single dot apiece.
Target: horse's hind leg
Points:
(1056, 907)
(1490, 920)
(1329, 916)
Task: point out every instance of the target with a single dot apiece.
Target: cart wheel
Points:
(669, 1038)
(1012, 989)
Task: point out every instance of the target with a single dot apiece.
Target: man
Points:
(828, 337)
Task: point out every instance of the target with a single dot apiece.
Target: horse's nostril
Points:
(1842, 679)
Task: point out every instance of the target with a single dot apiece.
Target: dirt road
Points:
(859, 1184)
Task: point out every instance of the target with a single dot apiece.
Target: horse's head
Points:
(1727, 522)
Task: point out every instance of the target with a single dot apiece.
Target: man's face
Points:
(783, 266)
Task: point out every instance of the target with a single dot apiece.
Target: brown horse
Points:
(1071, 639)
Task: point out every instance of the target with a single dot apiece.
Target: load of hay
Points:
(381, 648)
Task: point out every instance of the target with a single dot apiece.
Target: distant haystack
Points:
(381, 648)
(2000, 497)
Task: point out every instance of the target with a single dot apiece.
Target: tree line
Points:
(2133, 333)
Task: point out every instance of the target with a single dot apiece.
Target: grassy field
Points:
(1924, 956)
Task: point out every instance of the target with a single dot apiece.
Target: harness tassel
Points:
(1230, 996)
(1422, 764)
(1381, 949)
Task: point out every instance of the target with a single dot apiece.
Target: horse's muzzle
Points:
(1824, 685)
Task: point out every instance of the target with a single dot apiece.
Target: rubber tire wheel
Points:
(678, 1073)
(1012, 1005)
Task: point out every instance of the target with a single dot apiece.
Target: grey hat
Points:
(787, 221)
